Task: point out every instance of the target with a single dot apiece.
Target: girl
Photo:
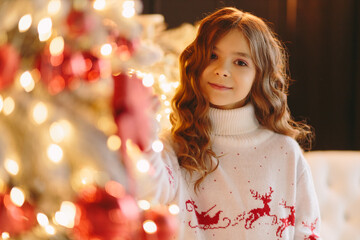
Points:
(231, 161)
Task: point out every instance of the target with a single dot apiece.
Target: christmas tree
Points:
(76, 81)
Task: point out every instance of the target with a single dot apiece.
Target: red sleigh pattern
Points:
(286, 222)
(205, 221)
(258, 213)
(312, 227)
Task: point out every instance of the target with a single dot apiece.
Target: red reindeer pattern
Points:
(312, 227)
(257, 213)
(286, 222)
(204, 220)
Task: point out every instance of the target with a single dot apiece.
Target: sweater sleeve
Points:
(307, 223)
(160, 184)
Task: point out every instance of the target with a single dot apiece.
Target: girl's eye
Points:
(240, 63)
(213, 56)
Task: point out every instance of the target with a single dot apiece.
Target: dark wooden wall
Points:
(323, 40)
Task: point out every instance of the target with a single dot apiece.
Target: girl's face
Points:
(228, 78)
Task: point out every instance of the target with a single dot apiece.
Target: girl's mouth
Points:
(219, 86)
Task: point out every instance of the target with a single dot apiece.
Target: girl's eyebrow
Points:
(241, 54)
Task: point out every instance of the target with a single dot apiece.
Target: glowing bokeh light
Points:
(40, 113)
(27, 81)
(60, 130)
(25, 23)
(57, 46)
(54, 7)
(17, 196)
(144, 205)
(114, 143)
(55, 153)
(148, 80)
(9, 105)
(143, 165)
(45, 29)
(157, 146)
(106, 49)
(174, 209)
(99, 5)
(150, 227)
(11, 166)
(128, 9)
(42, 219)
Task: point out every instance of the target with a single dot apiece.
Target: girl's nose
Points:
(222, 71)
(221, 74)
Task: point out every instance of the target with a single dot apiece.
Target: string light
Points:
(42, 219)
(174, 209)
(157, 146)
(114, 143)
(106, 49)
(99, 5)
(128, 9)
(144, 205)
(27, 81)
(17, 196)
(45, 29)
(148, 80)
(55, 153)
(162, 78)
(40, 113)
(66, 216)
(11, 166)
(9, 106)
(143, 165)
(50, 230)
(1, 103)
(54, 7)
(149, 227)
(57, 46)
(158, 117)
(5, 235)
(25, 23)
(59, 130)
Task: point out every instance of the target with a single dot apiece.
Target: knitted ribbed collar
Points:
(233, 121)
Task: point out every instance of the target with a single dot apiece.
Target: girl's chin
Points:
(238, 104)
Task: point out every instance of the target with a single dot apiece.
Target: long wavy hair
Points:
(190, 122)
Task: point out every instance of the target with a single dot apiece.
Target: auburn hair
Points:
(191, 126)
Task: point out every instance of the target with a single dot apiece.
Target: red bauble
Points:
(92, 67)
(131, 103)
(13, 219)
(167, 224)
(125, 47)
(79, 23)
(9, 64)
(106, 214)
(62, 71)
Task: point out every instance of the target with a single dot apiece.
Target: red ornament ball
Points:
(79, 23)
(61, 71)
(106, 214)
(158, 224)
(94, 68)
(9, 65)
(14, 219)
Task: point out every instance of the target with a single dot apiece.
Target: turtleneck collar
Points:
(233, 121)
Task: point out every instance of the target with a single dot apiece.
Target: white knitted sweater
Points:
(262, 188)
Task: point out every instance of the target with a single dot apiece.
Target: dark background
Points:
(323, 41)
